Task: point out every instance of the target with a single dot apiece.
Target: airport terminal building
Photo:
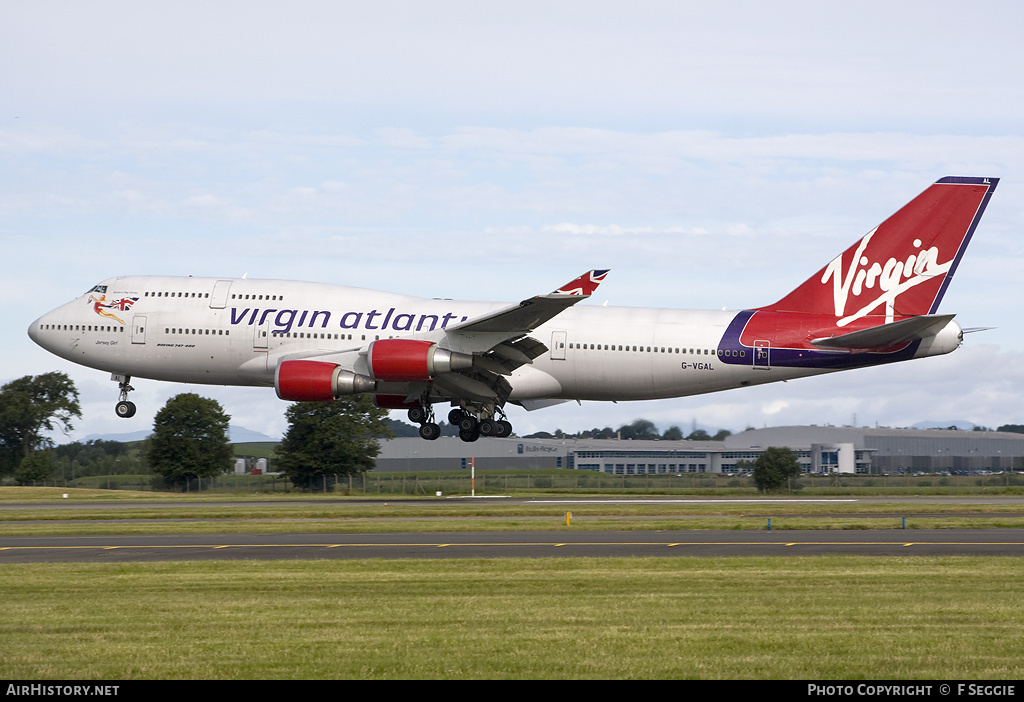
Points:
(820, 449)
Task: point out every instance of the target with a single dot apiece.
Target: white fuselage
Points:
(236, 331)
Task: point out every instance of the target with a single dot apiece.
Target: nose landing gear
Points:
(124, 408)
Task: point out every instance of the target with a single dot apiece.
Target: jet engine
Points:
(413, 360)
(316, 380)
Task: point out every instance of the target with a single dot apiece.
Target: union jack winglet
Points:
(586, 284)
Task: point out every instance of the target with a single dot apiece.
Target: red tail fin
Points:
(902, 267)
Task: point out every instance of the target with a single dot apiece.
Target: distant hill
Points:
(236, 435)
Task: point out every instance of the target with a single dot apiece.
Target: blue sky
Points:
(712, 155)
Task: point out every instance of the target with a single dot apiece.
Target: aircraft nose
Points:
(33, 329)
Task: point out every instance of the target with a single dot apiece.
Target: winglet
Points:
(586, 284)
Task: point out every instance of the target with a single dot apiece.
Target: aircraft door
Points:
(219, 296)
(558, 346)
(762, 355)
(138, 329)
(261, 335)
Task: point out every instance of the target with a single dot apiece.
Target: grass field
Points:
(826, 617)
(178, 513)
(568, 481)
(728, 618)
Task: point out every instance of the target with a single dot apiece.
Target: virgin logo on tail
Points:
(892, 278)
(903, 264)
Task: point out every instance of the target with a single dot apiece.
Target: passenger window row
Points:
(197, 332)
(310, 335)
(661, 349)
(237, 296)
(171, 294)
(79, 327)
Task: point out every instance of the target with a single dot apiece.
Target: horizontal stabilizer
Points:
(887, 335)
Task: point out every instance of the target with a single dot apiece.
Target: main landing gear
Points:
(124, 408)
(424, 416)
(470, 427)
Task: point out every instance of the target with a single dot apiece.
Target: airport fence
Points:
(568, 481)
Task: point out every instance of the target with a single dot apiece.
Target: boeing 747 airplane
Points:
(875, 303)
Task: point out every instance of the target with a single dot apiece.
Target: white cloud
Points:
(774, 407)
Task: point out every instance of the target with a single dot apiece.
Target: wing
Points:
(499, 341)
(467, 362)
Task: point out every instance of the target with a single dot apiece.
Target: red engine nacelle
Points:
(315, 380)
(412, 360)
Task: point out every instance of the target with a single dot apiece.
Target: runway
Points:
(531, 544)
(465, 500)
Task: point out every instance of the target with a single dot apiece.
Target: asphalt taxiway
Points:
(531, 544)
(567, 542)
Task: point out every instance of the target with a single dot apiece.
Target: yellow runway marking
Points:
(522, 543)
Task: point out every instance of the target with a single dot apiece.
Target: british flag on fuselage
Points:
(877, 301)
(101, 305)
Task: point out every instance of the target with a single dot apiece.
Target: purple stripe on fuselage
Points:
(803, 358)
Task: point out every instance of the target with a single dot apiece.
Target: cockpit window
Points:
(98, 289)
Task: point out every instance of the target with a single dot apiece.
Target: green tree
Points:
(189, 440)
(639, 429)
(97, 457)
(673, 433)
(37, 467)
(329, 439)
(774, 468)
(30, 406)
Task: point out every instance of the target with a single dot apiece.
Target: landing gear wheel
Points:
(488, 427)
(469, 423)
(504, 429)
(430, 431)
(455, 416)
(124, 408)
(417, 415)
(469, 435)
